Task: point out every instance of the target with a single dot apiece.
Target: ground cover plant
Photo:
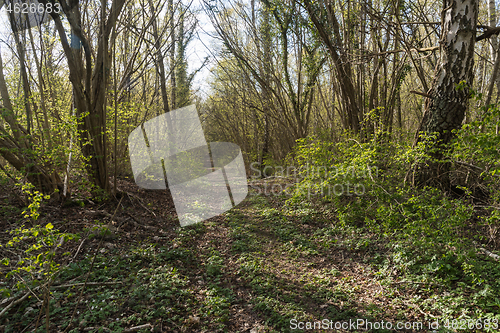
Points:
(287, 255)
(367, 131)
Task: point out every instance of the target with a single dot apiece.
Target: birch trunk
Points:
(446, 106)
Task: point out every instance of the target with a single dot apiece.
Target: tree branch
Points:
(490, 31)
(420, 93)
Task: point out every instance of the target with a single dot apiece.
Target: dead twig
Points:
(473, 166)
(416, 307)
(140, 203)
(88, 329)
(490, 254)
(104, 213)
(137, 224)
(4, 311)
(137, 328)
(88, 284)
(78, 250)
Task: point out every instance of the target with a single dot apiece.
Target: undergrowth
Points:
(432, 238)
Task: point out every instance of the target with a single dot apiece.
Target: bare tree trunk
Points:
(266, 29)
(15, 149)
(342, 64)
(173, 86)
(494, 50)
(447, 103)
(24, 75)
(89, 80)
(41, 85)
(159, 60)
(492, 14)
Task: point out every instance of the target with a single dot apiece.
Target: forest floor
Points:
(257, 268)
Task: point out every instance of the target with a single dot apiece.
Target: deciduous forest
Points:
(364, 196)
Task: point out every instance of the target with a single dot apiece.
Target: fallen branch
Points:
(140, 203)
(7, 300)
(469, 165)
(4, 311)
(416, 307)
(104, 213)
(137, 328)
(137, 224)
(490, 254)
(88, 329)
(88, 284)
(19, 300)
(416, 282)
(31, 291)
(78, 250)
(473, 166)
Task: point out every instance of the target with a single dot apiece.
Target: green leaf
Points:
(49, 226)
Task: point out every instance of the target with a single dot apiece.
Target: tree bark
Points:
(450, 92)
(89, 80)
(266, 95)
(173, 85)
(17, 149)
(159, 60)
(340, 59)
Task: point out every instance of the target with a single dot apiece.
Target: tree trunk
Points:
(495, 79)
(173, 85)
(15, 149)
(447, 102)
(89, 80)
(159, 60)
(341, 61)
(266, 71)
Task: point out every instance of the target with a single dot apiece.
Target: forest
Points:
(249, 166)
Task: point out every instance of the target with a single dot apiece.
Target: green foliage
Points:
(477, 142)
(328, 171)
(217, 304)
(429, 236)
(214, 264)
(37, 247)
(35, 198)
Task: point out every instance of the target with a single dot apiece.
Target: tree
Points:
(173, 86)
(89, 77)
(280, 66)
(17, 147)
(325, 13)
(183, 81)
(447, 101)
